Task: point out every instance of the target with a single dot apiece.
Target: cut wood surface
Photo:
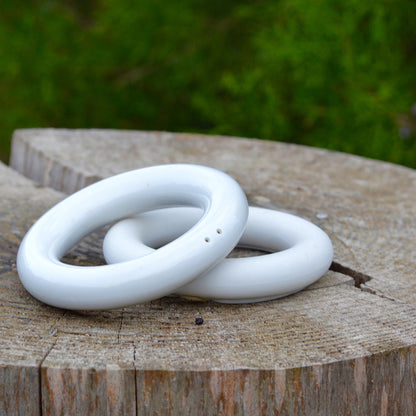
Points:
(345, 345)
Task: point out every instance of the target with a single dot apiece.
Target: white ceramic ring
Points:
(302, 253)
(224, 208)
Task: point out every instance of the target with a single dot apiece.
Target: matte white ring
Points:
(142, 279)
(306, 253)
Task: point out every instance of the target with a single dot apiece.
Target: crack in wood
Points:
(381, 295)
(136, 393)
(51, 333)
(121, 325)
(358, 277)
(360, 280)
(40, 375)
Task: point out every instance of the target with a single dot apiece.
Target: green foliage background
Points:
(334, 74)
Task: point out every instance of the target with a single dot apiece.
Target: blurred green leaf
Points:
(339, 75)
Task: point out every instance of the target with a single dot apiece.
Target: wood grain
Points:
(344, 346)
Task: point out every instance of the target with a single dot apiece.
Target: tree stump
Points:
(344, 346)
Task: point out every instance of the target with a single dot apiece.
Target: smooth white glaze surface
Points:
(142, 279)
(302, 253)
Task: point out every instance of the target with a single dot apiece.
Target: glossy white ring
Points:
(143, 279)
(302, 253)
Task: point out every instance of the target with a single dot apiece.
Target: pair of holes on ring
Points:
(219, 231)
